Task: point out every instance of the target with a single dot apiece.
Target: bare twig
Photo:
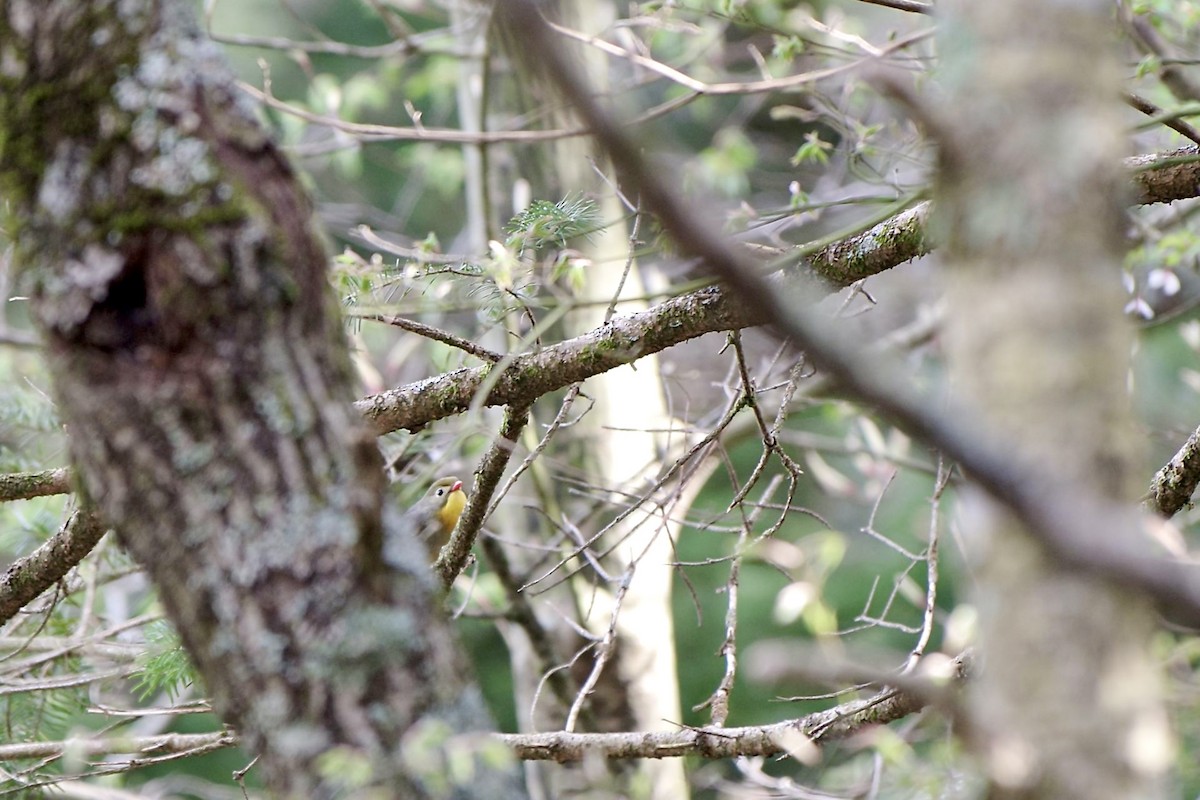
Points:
(931, 567)
(714, 742)
(903, 5)
(718, 701)
(560, 419)
(97, 748)
(719, 742)
(436, 334)
(521, 612)
(1149, 109)
(644, 497)
(739, 88)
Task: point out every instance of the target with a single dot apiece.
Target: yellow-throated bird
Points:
(435, 515)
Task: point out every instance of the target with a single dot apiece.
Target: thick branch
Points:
(1166, 177)
(28, 577)
(1157, 178)
(888, 244)
(27, 485)
(621, 341)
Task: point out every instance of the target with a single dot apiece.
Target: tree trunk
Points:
(627, 449)
(201, 372)
(1067, 704)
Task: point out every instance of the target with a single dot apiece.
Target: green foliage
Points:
(761, 12)
(442, 169)
(26, 420)
(49, 714)
(28, 411)
(815, 150)
(1173, 249)
(25, 526)
(165, 666)
(544, 224)
(723, 167)
(787, 48)
(1148, 65)
(347, 769)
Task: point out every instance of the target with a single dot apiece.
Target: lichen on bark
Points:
(201, 371)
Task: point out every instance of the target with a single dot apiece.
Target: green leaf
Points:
(814, 150)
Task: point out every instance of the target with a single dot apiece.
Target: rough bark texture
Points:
(202, 375)
(1067, 704)
(1173, 485)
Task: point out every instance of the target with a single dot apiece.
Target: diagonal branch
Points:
(1156, 178)
(28, 577)
(453, 558)
(622, 340)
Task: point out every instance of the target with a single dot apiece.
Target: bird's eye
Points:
(441, 492)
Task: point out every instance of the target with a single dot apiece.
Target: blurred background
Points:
(718, 497)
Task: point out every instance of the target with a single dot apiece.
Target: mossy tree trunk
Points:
(1067, 703)
(202, 375)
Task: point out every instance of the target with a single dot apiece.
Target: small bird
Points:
(435, 515)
